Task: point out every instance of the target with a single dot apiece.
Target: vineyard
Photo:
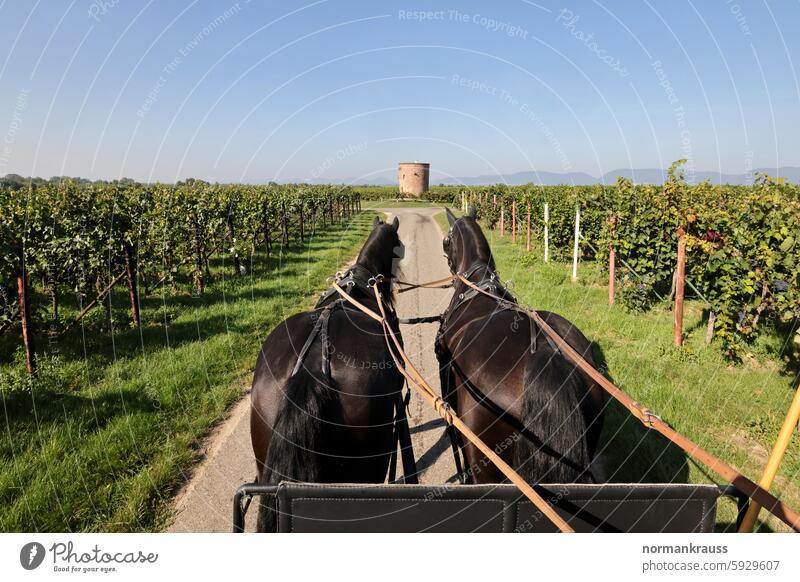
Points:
(131, 314)
(742, 252)
(146, 305)
(80, 241)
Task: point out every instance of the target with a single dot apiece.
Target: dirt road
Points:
(204, 504)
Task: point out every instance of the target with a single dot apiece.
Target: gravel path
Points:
(205, 502)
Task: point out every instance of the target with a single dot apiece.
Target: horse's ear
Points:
(472, 212)
(396, 223)
(451, 219)
(376, 223)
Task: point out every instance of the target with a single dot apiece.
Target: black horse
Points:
(507, 380)
(325, 389)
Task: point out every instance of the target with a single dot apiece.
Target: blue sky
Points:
(254, 91)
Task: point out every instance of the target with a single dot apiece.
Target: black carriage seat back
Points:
(642, 508)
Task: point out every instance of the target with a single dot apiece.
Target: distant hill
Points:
(546, 178)
(371, 181)
(640, 176)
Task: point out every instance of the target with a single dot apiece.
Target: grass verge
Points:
(113, 422)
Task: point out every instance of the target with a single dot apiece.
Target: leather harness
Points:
(358, 277)
(488, 283)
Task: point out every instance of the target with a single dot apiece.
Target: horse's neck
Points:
(374, 268)
(375, 271)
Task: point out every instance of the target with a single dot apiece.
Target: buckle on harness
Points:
(647, 416)
(443, 409)
(372, 281)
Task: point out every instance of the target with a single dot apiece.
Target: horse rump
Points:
(298, 437)
(552, 447)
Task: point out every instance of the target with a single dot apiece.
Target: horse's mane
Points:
(377, 255)
(473, 242)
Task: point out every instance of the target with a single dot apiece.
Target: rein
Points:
(443, 283)
(416, 380)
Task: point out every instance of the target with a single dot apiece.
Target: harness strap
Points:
(445, 359)
(443, 283)
(325, 319)
(321, 320)
(360, 277)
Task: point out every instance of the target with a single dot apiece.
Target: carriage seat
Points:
(639, 507)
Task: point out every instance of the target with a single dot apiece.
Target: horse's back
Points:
(496, 353)
(361, 375)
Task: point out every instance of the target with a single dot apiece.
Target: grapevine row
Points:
(742, 253)
(66, 238)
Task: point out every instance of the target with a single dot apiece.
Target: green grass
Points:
(107, 433)
(735, 412)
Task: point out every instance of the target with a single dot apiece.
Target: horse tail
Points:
(298, 437)
(553, 448)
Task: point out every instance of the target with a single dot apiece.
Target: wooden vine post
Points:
(285, 225)
(546, 232)
(514, 221)
(528, 227)
(612, 262)
(133, 291)
(680, 281)
(301, 221)
(237, 265)
(197, 246)
(712, 318)
(774, 461)
(576, 243)
(25, 309)
(265, 225)
(502, 219)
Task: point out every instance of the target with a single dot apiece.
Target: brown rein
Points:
(443, 283)
(443, 409)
